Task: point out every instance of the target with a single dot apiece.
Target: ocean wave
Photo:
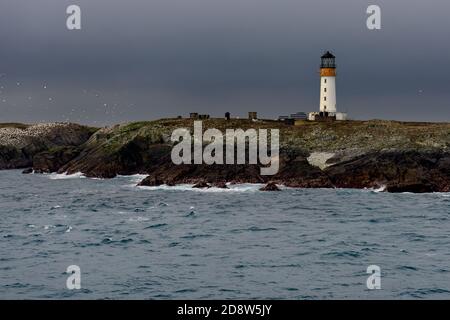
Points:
(138, 219)
(443, 194)
(381, 188)
(135, 178)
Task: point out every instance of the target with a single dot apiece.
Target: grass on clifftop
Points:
(309, 135)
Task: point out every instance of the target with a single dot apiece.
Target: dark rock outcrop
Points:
(105, 161)
(170, 183)
(271, 186)
(220, 185)
(52, 160)
(151, 181)
(27, 171)
(14, 158)
(409, 171)
(296, 172)
(202, 185)
(411, 187)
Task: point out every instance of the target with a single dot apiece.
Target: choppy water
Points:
(180, 243)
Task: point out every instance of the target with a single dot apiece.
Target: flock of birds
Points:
(41, 100)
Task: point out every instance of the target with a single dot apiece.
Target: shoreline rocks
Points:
(409, 171)
(27, 171)
(271, 186)
(202, 185)
(220, 185)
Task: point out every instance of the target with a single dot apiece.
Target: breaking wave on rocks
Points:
(244, 187)
(379, 189)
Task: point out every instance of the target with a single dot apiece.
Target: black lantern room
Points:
(328, 60)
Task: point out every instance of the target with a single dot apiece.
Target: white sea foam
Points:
(134, 177)
(244, 187)
(380, 189)
(138, 219)
(60, 176)
(443, 194)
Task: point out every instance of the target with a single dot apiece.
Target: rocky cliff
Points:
(21, 144)
(397, 156)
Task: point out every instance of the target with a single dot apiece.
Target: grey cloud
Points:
(158, 58)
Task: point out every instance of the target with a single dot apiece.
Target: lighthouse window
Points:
(324, 98)
(325, 80)
(324, 89)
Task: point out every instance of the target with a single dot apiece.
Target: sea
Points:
(133, 242)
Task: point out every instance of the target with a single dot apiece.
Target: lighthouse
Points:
(328, 84)
(327, 109)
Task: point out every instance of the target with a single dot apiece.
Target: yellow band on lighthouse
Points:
(328, 72)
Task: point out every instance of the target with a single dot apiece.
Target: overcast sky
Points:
(147, 59)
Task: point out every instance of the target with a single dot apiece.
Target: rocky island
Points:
(394, 156)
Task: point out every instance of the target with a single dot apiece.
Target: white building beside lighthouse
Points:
(327, 109)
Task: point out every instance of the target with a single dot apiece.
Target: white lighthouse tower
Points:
(328, 110)
(328, 84)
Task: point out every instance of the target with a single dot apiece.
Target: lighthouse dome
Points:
(328, 55)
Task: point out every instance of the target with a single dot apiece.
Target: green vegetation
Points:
(309, 136)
